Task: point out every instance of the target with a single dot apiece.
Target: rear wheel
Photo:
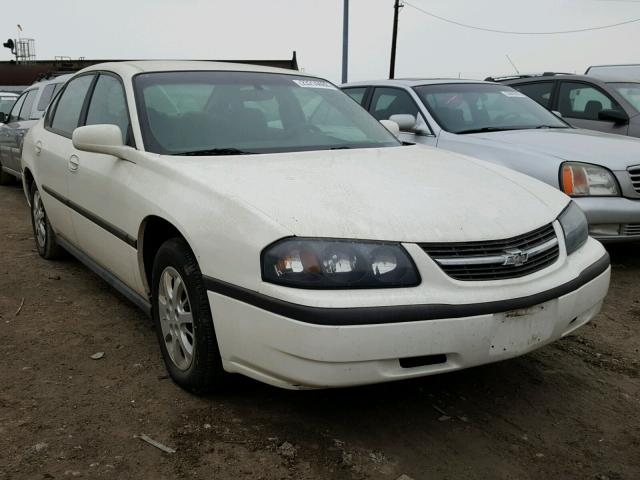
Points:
(43, 233)
(183, 320)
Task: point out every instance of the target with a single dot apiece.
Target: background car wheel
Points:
(183, 320)
(44, 235)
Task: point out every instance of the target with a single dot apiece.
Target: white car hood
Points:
(410, 194)
(615, 152)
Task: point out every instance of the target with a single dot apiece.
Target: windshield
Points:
(471, 108)
(630, 92)
(227, 113)
(6, 103)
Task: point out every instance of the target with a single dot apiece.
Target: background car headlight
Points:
(583, 179)
(575, 227)
(326, 264)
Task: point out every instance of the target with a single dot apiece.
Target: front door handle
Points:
(74, 163)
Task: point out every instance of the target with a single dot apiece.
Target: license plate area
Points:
(521, 330)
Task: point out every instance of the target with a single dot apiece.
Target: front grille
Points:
(631, 229)
(497, 259)
(634, 173)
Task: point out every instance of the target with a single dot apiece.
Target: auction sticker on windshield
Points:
(314, 84)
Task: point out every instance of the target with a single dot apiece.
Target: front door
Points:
(13, 131)
(580, 105)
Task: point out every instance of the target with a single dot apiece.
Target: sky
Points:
(253, 29)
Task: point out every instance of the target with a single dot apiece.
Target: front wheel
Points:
(183, 320)
(43, 233)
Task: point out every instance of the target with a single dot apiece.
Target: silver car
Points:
(496, 123)
(26, 111)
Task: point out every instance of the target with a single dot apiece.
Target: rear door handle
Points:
(74, 163)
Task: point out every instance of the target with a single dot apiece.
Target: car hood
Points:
(615, 152)
(411, 194)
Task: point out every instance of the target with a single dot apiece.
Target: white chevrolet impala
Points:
(273, 228)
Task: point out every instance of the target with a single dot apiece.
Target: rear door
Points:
(580, 103)
(53, 142)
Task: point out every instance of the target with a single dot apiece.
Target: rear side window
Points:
(579, 100)
(356, 93)
(67, 113)
(108, 105)
(47, 94)
(27, 109)
(539, 91)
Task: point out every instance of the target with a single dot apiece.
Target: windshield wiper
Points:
(215, 151)
(486, 129)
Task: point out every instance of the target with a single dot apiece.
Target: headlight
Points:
(326, 264)
(575, 227)
(583, 179)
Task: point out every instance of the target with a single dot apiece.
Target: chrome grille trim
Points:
(497, 259)
(630, 229)
(634, 175)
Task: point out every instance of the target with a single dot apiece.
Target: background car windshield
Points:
(630, 92)
(6, 103)
(252, 112)
(469, 107)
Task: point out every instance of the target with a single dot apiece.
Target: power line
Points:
(493, 30)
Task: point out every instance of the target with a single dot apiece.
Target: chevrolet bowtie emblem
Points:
(515, 257)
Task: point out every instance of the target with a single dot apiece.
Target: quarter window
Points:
(578, 100)
(540, 92)
(108, 105)
(67, 113)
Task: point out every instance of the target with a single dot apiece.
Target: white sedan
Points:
(273, 228)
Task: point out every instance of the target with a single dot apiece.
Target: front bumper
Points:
(612, 219)
(260, 339)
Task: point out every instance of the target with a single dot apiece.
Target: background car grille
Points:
(466, 256)
(634, 173)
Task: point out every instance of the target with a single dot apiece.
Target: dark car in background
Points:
(610, 105)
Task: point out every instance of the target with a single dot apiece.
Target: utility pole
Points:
(394, 38)
(345, 41)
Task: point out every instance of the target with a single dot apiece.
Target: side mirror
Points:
(615, 116)
(391, 126)
(3, 117)
(556, 113)
(105, 139)
(405, 121)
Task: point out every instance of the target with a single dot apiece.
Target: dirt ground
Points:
(568, 411)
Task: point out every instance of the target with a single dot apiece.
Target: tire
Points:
(191, 356)
(43, 234)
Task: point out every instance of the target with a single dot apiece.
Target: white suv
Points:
(273, 228)
(24, 113)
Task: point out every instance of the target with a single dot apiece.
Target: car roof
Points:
(9, 94)
(133, 67)
(412, 82)
(56, 79)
